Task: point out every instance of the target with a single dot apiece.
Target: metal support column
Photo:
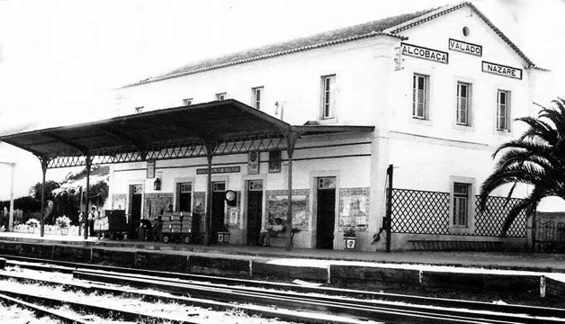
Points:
(11, 217)
(208, 218)
(88, 163)
(12, 166)
(291, 138)
(44, 161)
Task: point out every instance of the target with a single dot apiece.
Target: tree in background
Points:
(537, 159)
(65, 196)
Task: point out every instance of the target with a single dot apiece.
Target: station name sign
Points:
(464, 47)
(502, 70)
(424, 53)
(228, 169)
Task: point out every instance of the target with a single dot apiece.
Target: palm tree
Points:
(537, 159)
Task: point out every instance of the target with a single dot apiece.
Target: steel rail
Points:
(116, 313)
(370, 310)
(209, 304)
(69, 267)
(40, 310)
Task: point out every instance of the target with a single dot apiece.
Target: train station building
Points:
(323, 122)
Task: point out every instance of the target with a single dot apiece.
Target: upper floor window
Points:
(256, 97)
(463, 103)
(420, 96)
(187, 101)
(328, 96)
(221, 96)
(503, 110)
(461, 200)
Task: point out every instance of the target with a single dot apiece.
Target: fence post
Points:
(534, 228)
(388, 216)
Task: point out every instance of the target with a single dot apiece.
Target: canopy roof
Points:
(163, 134)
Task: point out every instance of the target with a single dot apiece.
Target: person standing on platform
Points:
(80, 222)
(91, 217)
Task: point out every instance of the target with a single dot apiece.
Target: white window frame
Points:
(257, 97)
(187, 101)
(328, 93)
(507, 106)
(221, 96)
(420, 97)
(463, 113)
(461, 203)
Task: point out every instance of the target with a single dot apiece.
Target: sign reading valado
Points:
(464, 47)
(424, 53)
(228, 169)
(503, 70)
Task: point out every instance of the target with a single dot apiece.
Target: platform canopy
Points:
(225, 127)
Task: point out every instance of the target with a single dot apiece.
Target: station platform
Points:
(520, 261)
(523, 274)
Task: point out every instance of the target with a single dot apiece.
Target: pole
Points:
(208, 216)
(291, 141)
(86, 221)
(42, 220)
(388, 216)
(534, 228)
(11, 217)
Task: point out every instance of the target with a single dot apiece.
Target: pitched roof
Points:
(391, 26)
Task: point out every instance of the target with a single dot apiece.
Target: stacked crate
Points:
(176, 222)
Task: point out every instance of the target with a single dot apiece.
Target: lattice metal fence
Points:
(550, 231)
(419, 212)
(428, 212)
(490, 222)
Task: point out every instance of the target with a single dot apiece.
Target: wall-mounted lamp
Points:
(157, 184)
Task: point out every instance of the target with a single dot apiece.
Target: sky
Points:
(60, 59)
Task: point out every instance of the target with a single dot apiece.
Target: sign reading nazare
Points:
(464, 47)
(503, 70)
(424, 53)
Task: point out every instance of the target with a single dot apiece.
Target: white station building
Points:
(437, 90)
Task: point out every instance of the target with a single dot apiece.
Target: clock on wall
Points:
(231, 197)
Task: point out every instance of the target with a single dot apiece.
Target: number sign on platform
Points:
(502, 70)
(464, 47)
(425, 53)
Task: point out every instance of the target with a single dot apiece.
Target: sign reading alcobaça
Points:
(424, 53)
(503, 70)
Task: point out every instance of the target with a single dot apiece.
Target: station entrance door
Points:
(254, 210)
(325, 212)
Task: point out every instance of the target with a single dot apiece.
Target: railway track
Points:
(219, 292)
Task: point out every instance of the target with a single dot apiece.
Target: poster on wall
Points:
(277, 207)
(233, 213)
(253, 163)
(354, 208)
(199, 206)
(150, 169)
(157, 204)
(119, 201)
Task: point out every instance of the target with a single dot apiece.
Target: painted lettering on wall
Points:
(464, 47)
(425, 53)
(229, 169)
(503, 70)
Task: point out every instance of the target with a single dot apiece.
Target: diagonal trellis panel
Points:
(428, 212)
(490, 222)
(420, 212)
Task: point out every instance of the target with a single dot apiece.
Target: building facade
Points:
(441, 87)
